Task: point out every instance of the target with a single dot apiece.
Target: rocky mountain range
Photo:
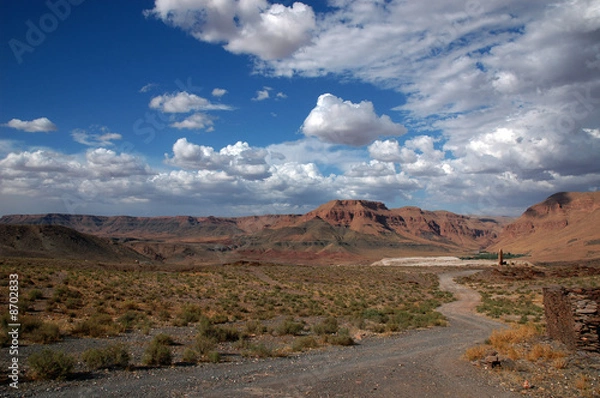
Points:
(340, 231)
(564, 227)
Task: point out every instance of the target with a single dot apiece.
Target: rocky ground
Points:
(425, 363)
(420, 363)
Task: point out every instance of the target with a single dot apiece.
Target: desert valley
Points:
(563, 227)
(108, 302)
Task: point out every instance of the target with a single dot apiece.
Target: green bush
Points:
(35, 294)
(131, 319)
(204, 344)
(164, 339)
(289, 326)
(51, 365)
(375, 315)
(257, 351)
(255, 327)
(341, 338)
(219, 334)
(157, 354)
(70, 297)
(327, 326)
(112, 357)
(190, 356)
(99, 325)
(188, 314)
(46, 333)
(214, 357)
(304, 343)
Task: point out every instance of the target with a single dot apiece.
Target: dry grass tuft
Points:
(544, 352)
(503, 339)
(477, 352)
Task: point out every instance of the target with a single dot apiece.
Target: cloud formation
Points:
(196, 121)
(102, 138)
(40, 125)
(268, 31)
(183, 102)
(337, 121)
(237, 160)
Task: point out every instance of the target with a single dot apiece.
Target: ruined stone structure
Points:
(500, 257)
(573, 317)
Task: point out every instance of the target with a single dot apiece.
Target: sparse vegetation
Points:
(491, 256)
(114, 356)
(247, 309)
(158, 352)
(50, 365)
(514, 295)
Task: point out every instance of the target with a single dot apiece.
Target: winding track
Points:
(425, 363)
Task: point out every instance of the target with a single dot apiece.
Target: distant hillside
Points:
(53, 241)
(564, 227)
(338, 231)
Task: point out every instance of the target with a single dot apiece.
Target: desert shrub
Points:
(219, 334)
(258, 351)
(46, 333)
(375, 315)
(502, 339)
(190, 356)
(157, 353)
(477, 352)
(164, 315)
(189, 314)
(204, 344)
(71, 298)
(213, 357)
(163, 338)
(255, 327)
(497, 307)
(99, 325)
(289, 326)
(304, 342)
(35, 294)
(130, 305)
(219, 318)
(112, 357)
(131, 320)
(29, 324)
(544, 351)
(342, 338)
(327, 326)
(50, 365)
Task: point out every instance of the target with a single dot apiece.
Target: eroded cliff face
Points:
(565, 226)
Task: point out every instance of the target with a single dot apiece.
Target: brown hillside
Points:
(340, 230)
(412, 223)
(564, 227)
(53, 241)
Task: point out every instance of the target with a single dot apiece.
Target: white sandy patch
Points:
(432, 262)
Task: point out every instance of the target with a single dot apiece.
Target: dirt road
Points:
(424, 363)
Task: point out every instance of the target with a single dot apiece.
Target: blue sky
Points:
(207, 107)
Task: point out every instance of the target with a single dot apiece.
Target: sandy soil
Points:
(424, 363)
(446, 261)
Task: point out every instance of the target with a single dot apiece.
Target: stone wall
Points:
(573, 317)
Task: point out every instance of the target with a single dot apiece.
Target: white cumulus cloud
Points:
(337, 121)
(184, 102)
(218, 92)
(100, 136)
(40, 125)
(268, 31)
(197, 121)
